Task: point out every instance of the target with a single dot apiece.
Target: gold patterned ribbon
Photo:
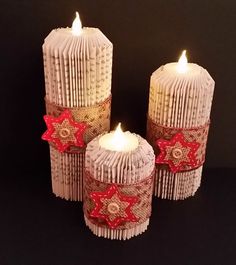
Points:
(96, 118)
(120, 206)
(177, 143)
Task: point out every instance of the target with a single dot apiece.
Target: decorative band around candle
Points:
(70, 129)
(178, 149)
(117, 206)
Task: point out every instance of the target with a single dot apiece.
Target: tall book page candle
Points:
(78, 68)
(177, 126)
(118, 185)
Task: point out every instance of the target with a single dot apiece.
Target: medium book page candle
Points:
(177, 127)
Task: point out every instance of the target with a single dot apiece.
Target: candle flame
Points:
(182, 63)
(118, 139)
(76, 25)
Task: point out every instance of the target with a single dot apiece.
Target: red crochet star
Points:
(113, 207)
(177, 152)
(64, 131)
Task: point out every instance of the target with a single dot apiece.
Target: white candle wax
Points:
(119, 141)
(191, 69)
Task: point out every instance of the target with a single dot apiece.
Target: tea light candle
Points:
(178, 121)
(119, 141)
(118, 185)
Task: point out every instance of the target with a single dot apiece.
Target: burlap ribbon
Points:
(141, 209)
(96, 117)
(195, 134)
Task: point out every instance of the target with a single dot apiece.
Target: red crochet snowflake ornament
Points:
(113, 207)
(63, 131)
(177, 152)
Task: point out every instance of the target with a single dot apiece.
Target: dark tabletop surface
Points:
(38, 228)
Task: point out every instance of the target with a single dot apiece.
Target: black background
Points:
(145, 34)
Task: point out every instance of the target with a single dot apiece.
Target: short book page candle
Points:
(178, 121)
(118, 185)
(78, 67)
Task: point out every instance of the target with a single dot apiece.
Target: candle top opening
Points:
(119, 141)
(192, 70)
(182, 67)
(76, 25)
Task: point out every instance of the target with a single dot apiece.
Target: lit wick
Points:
(76, 25)
(182, 65)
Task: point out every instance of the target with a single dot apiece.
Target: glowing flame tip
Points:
(76, 25)
(118, 139)
(182, 63)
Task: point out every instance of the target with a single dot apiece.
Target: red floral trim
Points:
(63, 131)
(113, 207)
(177, 153)
(178, 149)
(117, 206)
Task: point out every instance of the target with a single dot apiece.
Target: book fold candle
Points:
(177, 126)
(77, 67)
(118, 186)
